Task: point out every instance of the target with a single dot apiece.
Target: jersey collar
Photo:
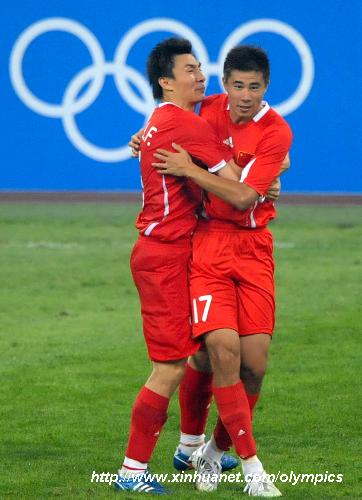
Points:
(165, 103)
(265, 108)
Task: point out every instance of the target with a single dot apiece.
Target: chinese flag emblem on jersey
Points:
(243, 158)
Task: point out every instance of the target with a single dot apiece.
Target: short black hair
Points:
(247, 58)
(161, 61)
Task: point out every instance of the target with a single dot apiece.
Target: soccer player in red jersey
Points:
(160, 257)
(232, 283)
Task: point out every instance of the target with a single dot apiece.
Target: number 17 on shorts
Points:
(201, 308)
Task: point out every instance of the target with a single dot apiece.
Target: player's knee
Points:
(200, 361)
(174, 371)
(168, 373)
(224, 355)
(252, 376)
(179, 372)
(223, 347)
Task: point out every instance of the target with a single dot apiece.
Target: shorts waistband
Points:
(180, 242)
(226, 226)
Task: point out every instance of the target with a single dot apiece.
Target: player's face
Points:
(246, 90)
(188, 84)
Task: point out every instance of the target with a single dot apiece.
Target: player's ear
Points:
(224, 82)
(165, 83)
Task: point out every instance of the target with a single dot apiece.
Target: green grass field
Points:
(72, 354)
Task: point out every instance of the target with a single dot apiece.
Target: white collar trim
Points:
(265, 108)
(172, 104)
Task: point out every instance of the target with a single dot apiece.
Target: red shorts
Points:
(160, 272)
(232, 280)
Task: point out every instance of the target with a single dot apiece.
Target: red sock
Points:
(234, 412)
(195, 395)
(252, 400)
(149, 414)
(221, 435)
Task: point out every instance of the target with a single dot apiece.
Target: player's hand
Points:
(135, 143)
(274, 190)
(178, 164)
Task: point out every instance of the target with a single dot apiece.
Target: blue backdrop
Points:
(73, 85)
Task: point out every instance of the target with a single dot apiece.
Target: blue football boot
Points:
(140, 484)
(183, 462)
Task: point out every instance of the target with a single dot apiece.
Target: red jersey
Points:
(259, 146)
(169, 203)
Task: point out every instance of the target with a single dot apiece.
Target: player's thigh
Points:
(255, 289)
(213, 303)
(160, 273)
(213, 296)
(256, 310)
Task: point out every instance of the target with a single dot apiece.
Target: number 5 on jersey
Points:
(201, 307)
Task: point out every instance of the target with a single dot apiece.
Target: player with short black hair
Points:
(160, 62)
(247, 58)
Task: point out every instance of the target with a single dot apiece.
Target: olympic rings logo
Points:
(72, 103)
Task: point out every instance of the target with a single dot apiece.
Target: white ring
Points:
(96, 73)
(295, 38)
(16, 65)
(70, 126)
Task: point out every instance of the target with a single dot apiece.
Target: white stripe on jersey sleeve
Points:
(150, 228)
(252, 218)
(143, 194)
(165, 197)
(166, 211)
(246, 170)
(217, 167)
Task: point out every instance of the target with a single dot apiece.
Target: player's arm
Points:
(274, 190)
(276, 186)
(230, 171)
(285, 164)
(240, 195)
